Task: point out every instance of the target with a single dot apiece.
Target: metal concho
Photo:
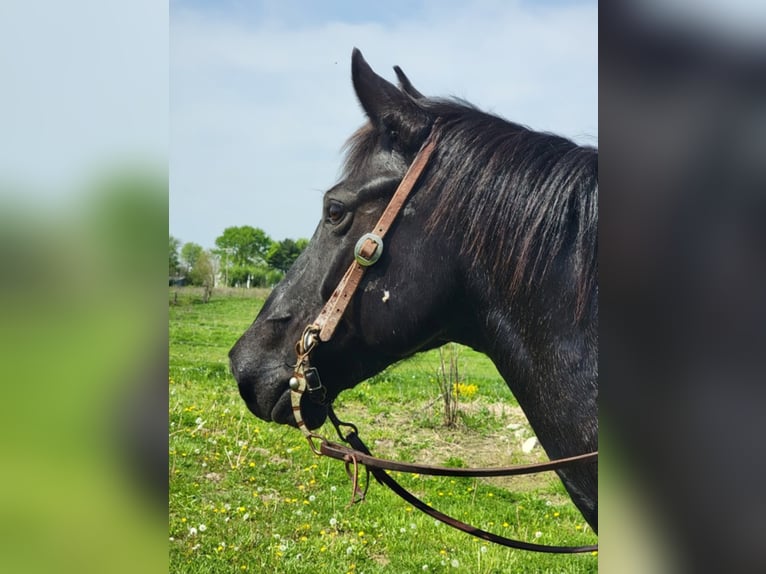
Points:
(361, 259)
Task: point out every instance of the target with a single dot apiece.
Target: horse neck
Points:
(550, 366)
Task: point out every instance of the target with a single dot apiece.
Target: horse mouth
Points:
(313, 414)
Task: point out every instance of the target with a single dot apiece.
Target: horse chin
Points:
(313, 414)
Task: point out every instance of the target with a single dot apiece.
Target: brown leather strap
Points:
(336, 305)
(341, 452)
(384, 478)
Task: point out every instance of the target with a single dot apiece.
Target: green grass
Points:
(260, 501)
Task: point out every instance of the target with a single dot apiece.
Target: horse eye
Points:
(335, 212)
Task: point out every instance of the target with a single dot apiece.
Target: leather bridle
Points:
(306, 380)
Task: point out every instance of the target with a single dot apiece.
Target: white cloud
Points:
(259, 111)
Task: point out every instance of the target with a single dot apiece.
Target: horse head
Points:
(405, 299)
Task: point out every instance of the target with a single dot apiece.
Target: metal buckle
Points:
(361, 259)
(314, 385)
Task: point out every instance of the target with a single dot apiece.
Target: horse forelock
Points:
(359, 149)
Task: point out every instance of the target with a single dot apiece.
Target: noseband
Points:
(306, 379)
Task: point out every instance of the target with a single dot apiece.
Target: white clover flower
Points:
(245, 516)
(333, 488)
(455, 563)
(312, 498)
(538, 534)
(282, 547)
(202, 528)
(198, 420)
(413, 525)
(333, 522)
(483, 549)
(192, 531)
(402, 530)
(425, 567)
(350, 550)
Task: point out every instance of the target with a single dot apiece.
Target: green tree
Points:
(283, 254)
(203, 273)
(190, 254)
(241, 249)
(173, 264)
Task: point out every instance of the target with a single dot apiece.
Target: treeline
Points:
(243, 256)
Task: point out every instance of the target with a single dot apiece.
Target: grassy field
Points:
(249, 496)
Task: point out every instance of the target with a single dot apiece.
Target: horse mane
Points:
(519, 199)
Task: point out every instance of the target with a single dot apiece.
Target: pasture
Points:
(250, 496)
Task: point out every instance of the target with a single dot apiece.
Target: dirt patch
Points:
(397, 436)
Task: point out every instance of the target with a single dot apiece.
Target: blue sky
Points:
(261, 98)
(84, 88)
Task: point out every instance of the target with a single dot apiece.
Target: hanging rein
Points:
(306, 380)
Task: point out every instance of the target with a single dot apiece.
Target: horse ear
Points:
(406, 85)
(381, 100)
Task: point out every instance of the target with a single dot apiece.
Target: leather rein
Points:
(306, 380)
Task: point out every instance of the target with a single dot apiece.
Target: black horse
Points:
(496, 248)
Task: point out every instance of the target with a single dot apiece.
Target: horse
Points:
(495, 248)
